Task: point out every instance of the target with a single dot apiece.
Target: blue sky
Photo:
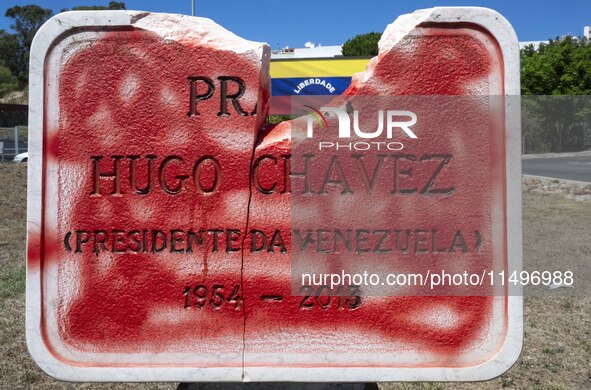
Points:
(330, 22)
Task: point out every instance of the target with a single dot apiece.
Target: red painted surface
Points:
(126, 94)
(432, 61)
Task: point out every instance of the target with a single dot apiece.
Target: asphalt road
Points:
(570, 168)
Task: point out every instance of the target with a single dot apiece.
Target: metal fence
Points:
(13, 140)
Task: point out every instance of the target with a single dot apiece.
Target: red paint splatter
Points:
(109, 309)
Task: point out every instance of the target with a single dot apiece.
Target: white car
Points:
(21, 157)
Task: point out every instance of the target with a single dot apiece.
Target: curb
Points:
(584, 153)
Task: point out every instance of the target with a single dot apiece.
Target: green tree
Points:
(556, 121)
(113, 5)
(27, 20)
(362, 45)
(560, 67)
(9, 53)
(15, 48)
(8, 82)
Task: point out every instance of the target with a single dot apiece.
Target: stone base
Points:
(277, 386)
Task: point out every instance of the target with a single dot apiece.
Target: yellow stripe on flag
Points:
(329, 67)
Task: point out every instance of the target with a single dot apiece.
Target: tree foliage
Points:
(363, 45)
(555, 121)
(113, 5)
(16, 47)
(560, 67)
(9, 54)
(8, 82)
(27, 19)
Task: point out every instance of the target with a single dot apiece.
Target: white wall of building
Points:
(308, 52)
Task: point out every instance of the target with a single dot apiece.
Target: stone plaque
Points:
(162, 238)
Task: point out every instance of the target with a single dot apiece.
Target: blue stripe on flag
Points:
(309, 86)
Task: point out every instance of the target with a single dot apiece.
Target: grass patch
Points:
(30, 377)
(568, 303)
(507, 381)
(553, 350)
(552, 386)
(12, 284)
(554, 368)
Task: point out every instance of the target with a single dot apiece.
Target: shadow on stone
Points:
(277, 386)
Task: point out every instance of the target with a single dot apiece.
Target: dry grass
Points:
(557, 350)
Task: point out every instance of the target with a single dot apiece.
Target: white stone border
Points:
(502, 361)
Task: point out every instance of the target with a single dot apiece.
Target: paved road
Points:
(570, 168)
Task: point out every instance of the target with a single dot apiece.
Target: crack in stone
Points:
(254, 146)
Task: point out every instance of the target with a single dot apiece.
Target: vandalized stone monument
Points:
(161, 224)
